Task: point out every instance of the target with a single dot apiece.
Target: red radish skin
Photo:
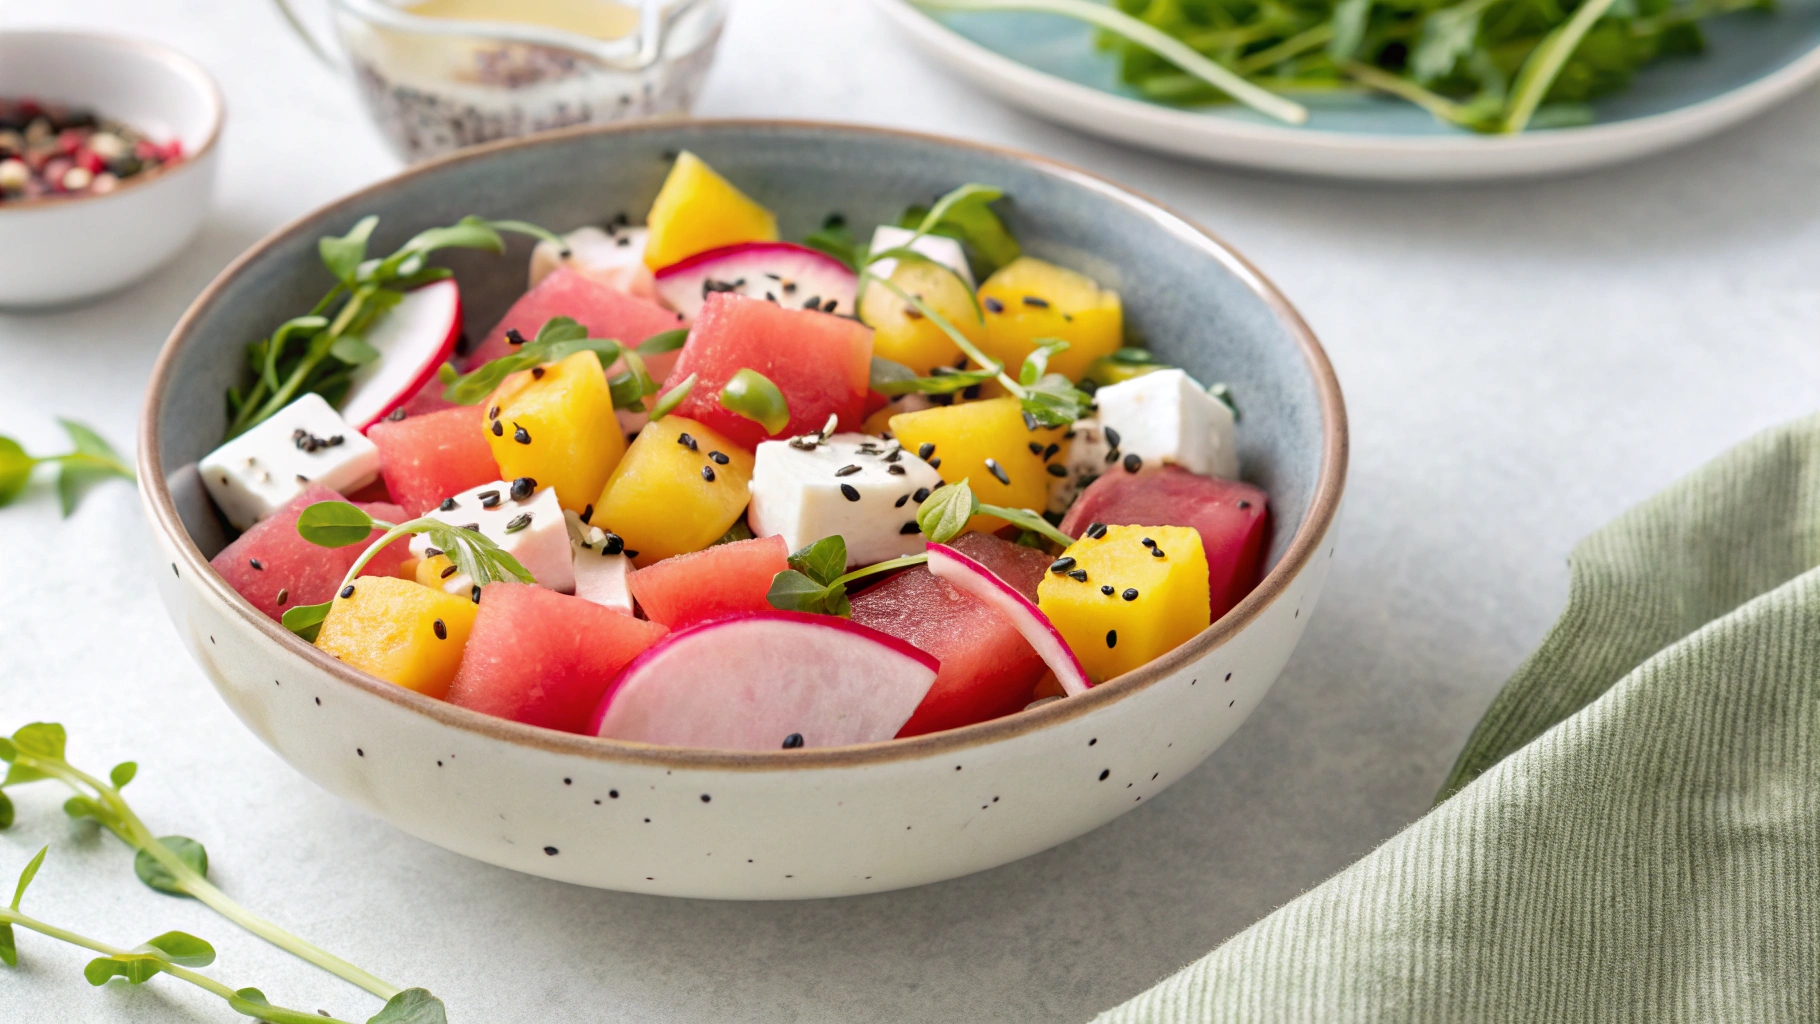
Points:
(424, 459)
(1232, 517)
(414, 337)
(1031, 623)
(820, 362)
(791, 273)
(543, 658)
(725, 579)
(604, 311)
(301, 571)
(988, 671)
(750, 682)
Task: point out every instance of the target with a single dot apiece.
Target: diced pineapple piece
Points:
(1144, 595)
(1029, 299)
(969, 438)
(697, 210)
(679, 488)
(555, 424)
(402, 632)
(903, 335)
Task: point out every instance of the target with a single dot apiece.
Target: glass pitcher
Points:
(436, 75)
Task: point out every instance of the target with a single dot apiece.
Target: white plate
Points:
(1049, 66)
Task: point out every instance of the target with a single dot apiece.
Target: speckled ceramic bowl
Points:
(778, 824)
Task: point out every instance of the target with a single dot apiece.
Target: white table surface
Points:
(1520, 361)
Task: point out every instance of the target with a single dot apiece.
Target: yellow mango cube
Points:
(1029, 299)
(400, 631)
(1135, 605)
(672, 493)
(697, 210)
(965, 435)
(902, 334)
(555, 424)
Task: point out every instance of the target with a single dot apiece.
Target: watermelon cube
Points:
(428, 399)
(822, 363)
(988, 669)
(543, 658)
(604, 311)
(722, 580)
(1232, 517)
(272, 566)
(424, 459)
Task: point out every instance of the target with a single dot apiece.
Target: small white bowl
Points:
(57, 251)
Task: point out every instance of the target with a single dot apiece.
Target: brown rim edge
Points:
(1322, 511)
(185, 65)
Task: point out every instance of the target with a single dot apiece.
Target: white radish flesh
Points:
(413, 338)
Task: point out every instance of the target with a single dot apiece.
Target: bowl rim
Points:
(177, 62)
(1304, 545)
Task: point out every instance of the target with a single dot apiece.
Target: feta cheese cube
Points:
(614, 257)
(864, 489)
(532, 531)
(1162, 417)
(940, 248)
(601, 569)
(253, 475)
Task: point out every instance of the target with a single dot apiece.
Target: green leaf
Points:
(19, 773)
(791, 591)
(673, 398)
(1029, 521)
(663, 341)
(15, 469)
(26, 876)
(93, 460)
(9, 950)
(189, 852)
(1037, 362)
(752, 395)
(7, 751)
(945, 513)
(1223, 392)
(344, 255)
(966, 215)
(469, 232)
(42, 740)
(823, 561)
(559, 338)
(305, 620)
(6, 811)
(353, 351)
(334, 524)
(82, 807)
(136, 968)
(1123, 365)
(181, 948)
(1449, 35)
(1349, 20)
(122, 774)
(412, 1006)
(1054, 401)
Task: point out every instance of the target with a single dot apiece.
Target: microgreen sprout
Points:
(337, 524)
(817, 581)
(170, 864)
(949, 508)
(92, 460)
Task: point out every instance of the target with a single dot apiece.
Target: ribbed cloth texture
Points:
(1633, 831)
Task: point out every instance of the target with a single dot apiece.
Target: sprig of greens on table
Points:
(321, 350)
(177, 866)
(92, 460)
(1494, 66)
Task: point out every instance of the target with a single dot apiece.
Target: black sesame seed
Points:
(474, 593)
(613, 545)
(488, 499)
(935, 463)
(471, 527)
(1112, 438)
(523, 487)
(1156, 552)
(1147, 542)
(828, 307)
(998, 472)
(921, 495)
(846, 471)
(850, 492)
(813, 302)
(1062, 564)
(1096, 530)
(347, 591)
(687, 442)
(1031, 423)
(448, 505)
(1244, 504)
(1079, 575)
(499, 429)
(1050, 452)
(257, 564)
(442, 631)
(1031, 300)
(537, 373)
(1112, 638)
(396, 414)
(1036, 447)
(518, 522)
(895, 470)
(900, 502)
(993, 305)
(450, 571)
(630, 553)
(1133, 462)
(792, 741)
(1130, 594)
(1056, 469)
(1112, 456)
(493, 413)
(587, 513)
(718, 458)
(514, 337)
(431, 552)
(924, 450)
(1107, 590)
(520, 434)
(707, 473)
(283, 596)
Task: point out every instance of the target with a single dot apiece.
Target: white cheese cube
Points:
(253, 475)
(864, 489)
(940, 248)
(532, 531)
(1163, 418)
(601, 569)
(614, 257)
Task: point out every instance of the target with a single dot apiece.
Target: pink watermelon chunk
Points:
(987, 668)
(722, 580)
(275, 568)
(425, 459)
(1232, 517)
(822, 363)
(604, 311)
(428, 399)
(543, 658)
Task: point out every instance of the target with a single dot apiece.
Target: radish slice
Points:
(788, 273)
(413, 338)
(981, 582)
(759, 680)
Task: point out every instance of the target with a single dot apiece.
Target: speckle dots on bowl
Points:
(1093, 741)
(319, 702)
(568, 782)
(705, 798)
(550, 851)
(1104, 774)
(613, 794)
(359, 751)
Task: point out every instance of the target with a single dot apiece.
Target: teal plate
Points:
(1050, 66)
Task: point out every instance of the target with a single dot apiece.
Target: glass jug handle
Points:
(323, 53)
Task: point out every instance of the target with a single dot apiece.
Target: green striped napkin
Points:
(1633, 831)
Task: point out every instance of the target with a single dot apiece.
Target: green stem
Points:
(1546, 61)
(1151, 38)
(1029, 520)
(878, 567)
(1402, 88)
(960, 340)
(1294, 46)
